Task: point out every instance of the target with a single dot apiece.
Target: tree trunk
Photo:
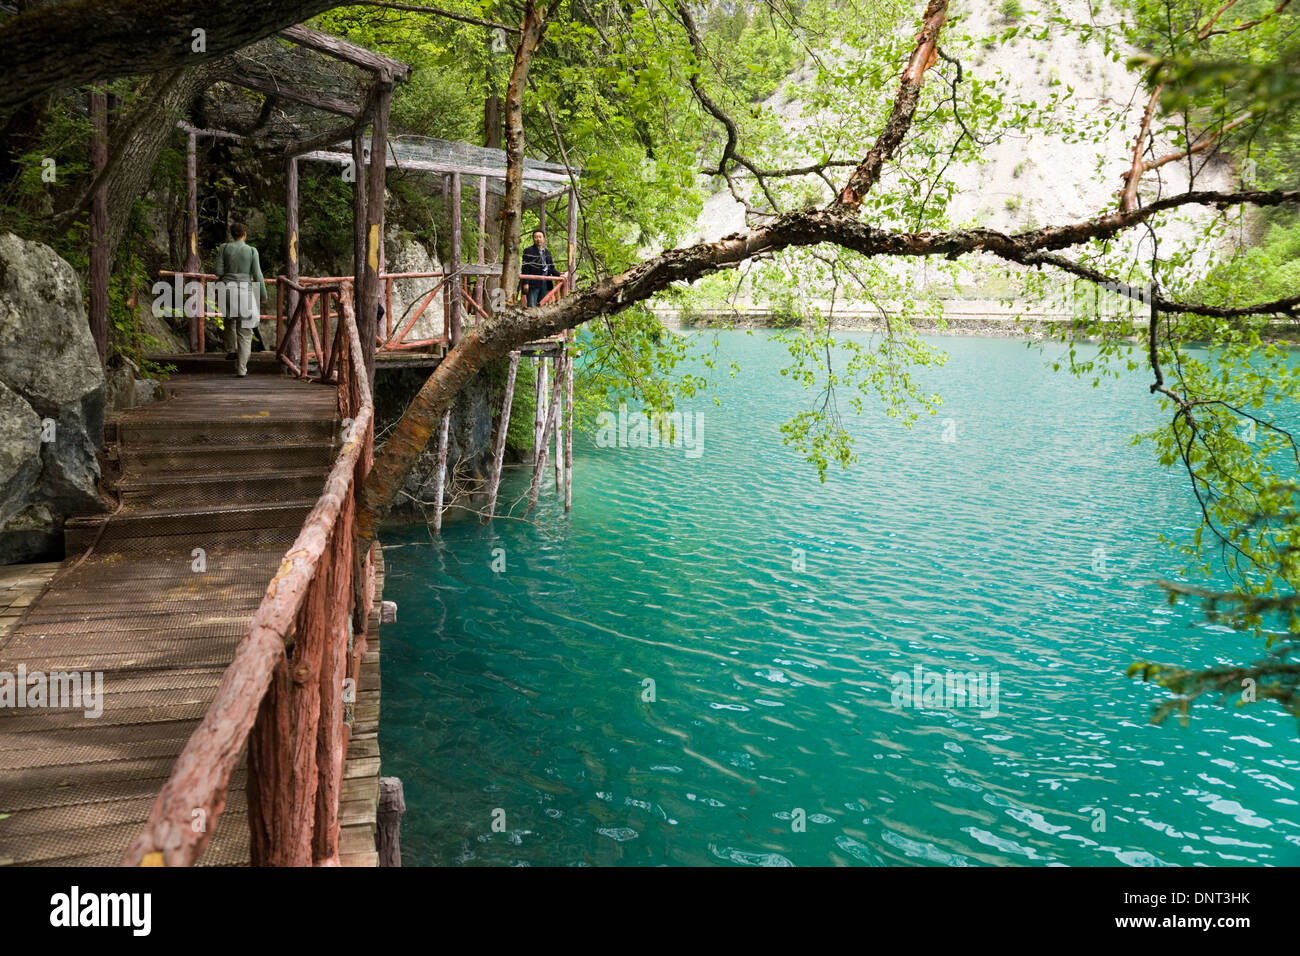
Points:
(531, 31)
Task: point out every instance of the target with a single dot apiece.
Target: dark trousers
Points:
(534, 293)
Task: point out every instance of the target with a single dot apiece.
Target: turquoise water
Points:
(515, 702)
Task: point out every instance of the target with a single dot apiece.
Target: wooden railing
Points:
(197, 323)
(283, 695)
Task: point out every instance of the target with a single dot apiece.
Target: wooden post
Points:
(573, 238)
(549, 425)
(99, 226)
(568, 433)
(369, 312)
(480, 285)
(559, 420)
(482, 218)
(541, 215)
(358, 217)
(388, 817)
(454, 286)
(291, 248)
(192, 261)
(498, 455)
(539, 419)
(439, 481)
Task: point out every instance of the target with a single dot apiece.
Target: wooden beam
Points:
(342, 49)
(99, 224)
(214, 133)
(329, 104)
(465, 169)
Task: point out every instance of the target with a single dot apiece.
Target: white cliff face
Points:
(1029, 178)
(405, 254)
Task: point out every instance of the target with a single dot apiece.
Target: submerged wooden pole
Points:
(540, 465)
(439, 481)
(498, 454)
(568, 433)
(388, 817)
(559, 420)
(539, 418)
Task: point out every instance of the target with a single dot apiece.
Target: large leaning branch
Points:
(80, 42)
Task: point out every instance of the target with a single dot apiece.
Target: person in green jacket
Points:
(242, 293)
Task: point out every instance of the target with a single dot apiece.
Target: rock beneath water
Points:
(49, 374)
(469, 439)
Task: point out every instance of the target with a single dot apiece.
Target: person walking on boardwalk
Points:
(537, 261)
(242, 294)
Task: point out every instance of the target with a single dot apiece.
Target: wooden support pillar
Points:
(455, 286)
(539, 419)
(99, 225)
(498, 454)
(559, 420)
(541, 215)
(548, 426)
(480, 284)
(439, 481)
(482, 218)
(573, 238)
(192, 260)
(291, 250)
(388, 819)
(358, 216)
(568, 432)
(369, 313)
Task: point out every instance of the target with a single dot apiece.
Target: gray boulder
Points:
(51, 384)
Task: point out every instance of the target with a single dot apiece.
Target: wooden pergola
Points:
(371, 108)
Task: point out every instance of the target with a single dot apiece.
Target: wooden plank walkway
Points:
(214, 485)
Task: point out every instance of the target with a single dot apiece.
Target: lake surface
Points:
(781, 621)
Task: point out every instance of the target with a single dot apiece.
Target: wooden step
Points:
(157, 491)
(138, 459)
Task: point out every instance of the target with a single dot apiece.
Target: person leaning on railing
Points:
(537, 261)
(239, 274)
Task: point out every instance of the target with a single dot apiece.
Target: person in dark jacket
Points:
(537, 261)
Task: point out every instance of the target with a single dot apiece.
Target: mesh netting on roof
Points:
(277, 64)
(425, 154)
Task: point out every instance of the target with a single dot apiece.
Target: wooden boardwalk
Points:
(214, 485)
